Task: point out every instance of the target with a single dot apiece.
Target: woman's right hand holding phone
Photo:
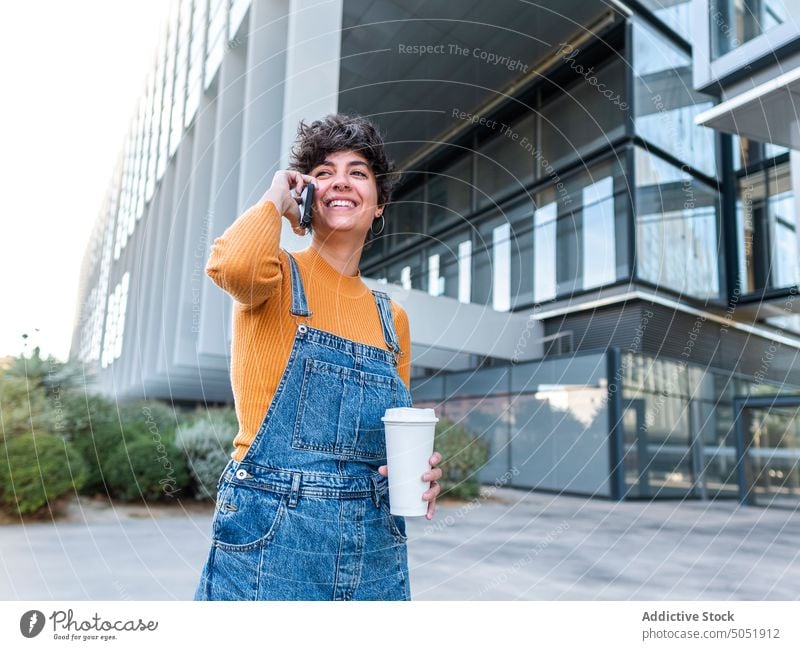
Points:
(287, 185)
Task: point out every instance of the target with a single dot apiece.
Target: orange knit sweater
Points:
(248, 263)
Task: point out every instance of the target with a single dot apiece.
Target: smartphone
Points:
(306, 203)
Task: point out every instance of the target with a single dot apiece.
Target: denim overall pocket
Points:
(340, 411)
(246, 518)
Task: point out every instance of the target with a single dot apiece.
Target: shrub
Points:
(159, 417)
(206, 442)
(462, 456)
(24, 407)
(81, 414)
(103, 430)
(37, 469)
(98, 434)
(147, 468)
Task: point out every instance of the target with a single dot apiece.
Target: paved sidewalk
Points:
(512, 545)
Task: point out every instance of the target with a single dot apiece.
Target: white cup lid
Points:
(406, 414)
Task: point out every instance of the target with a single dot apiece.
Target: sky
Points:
(72, 73)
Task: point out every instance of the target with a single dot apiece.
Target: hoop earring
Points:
(383, 223)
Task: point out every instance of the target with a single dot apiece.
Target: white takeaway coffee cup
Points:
(409, 446)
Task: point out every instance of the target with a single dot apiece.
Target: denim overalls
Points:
(305, 514)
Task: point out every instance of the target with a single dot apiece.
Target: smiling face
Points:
(346, 196)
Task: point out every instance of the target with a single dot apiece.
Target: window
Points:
(464, 270)
(665, 102)
(238, 10)
(483, 261)
(544, 252)
(599, 249)
(153, 115)
(215, 47)
(768, 243)
(435, 281)
(194, 77)
(115, 321)
(501, 259)
(407, 272)
(522, 260)
(581, 232)
(158, 127)
(168, 96)
(586, 117)
(677, 243)
(450, 194)
(97, 302)
(675, 14)
(504, 166)
(734, 22)
(141, 157)
(181, 71)
(407, 216)
(405, 277)
(747, 152)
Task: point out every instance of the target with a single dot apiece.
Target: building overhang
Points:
(769, 112)
(446, 334)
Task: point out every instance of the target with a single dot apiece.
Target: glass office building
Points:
(554, 175)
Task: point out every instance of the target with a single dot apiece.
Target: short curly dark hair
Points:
(342, 132)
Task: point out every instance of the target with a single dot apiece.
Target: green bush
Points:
(81, 414)
(24, 407)
(206, 442)
(160, 417)
(102, 430)
(147, 468)
(462, 456)
(37, 469)
(98, 434)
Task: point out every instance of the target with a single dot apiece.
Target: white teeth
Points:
(341, 203)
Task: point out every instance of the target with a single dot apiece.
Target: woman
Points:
(302, 506)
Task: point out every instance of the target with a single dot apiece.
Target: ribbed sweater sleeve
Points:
(404, 336)
(244, 259)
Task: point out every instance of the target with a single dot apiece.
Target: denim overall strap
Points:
(299, 302)
(387, 321)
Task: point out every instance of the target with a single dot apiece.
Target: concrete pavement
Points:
(506, 545)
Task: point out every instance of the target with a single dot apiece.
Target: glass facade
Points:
(503, 170)
(747, 152)
(449, 198)
(167, 98)
(675, 14)
(187, 59)
(548, 426)
(194, 75)
(678, 428)
(238, 10)
(677, 229)
(766, 223)
(665, 103)
(115, 321)
(546, 201)
(734, 22)
(583, 117)
(527, 210)
(772, 441)
(546, 423)
(216, 40)
(680, 438)
(580, 232)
